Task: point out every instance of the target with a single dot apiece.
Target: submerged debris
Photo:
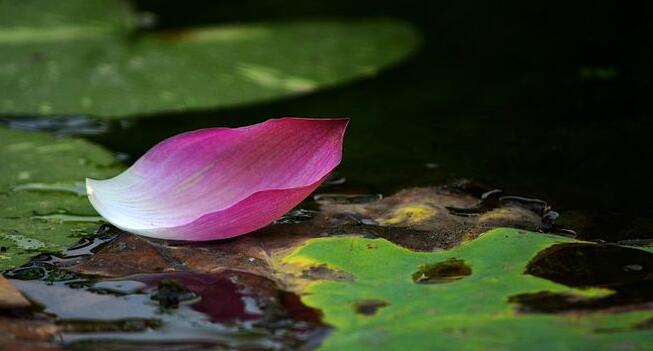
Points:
(170, 294)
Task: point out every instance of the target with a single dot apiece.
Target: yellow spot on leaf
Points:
(410, 215)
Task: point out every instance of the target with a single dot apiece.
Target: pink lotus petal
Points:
(219, 183)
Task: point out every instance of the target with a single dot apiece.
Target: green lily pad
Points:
(41, 190)
(87, 57)
(394, 304)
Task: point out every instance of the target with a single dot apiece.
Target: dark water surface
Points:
(543, 100)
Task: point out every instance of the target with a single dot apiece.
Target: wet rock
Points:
(10, 297)
(124, 255)
(23, 335)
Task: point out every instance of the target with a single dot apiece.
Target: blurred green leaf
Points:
(87, 57)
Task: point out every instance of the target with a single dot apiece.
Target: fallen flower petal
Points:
(219, 183)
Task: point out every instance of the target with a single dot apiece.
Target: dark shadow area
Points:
(543, 100)
(624, 270)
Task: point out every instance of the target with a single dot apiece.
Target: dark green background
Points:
(547, 99)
